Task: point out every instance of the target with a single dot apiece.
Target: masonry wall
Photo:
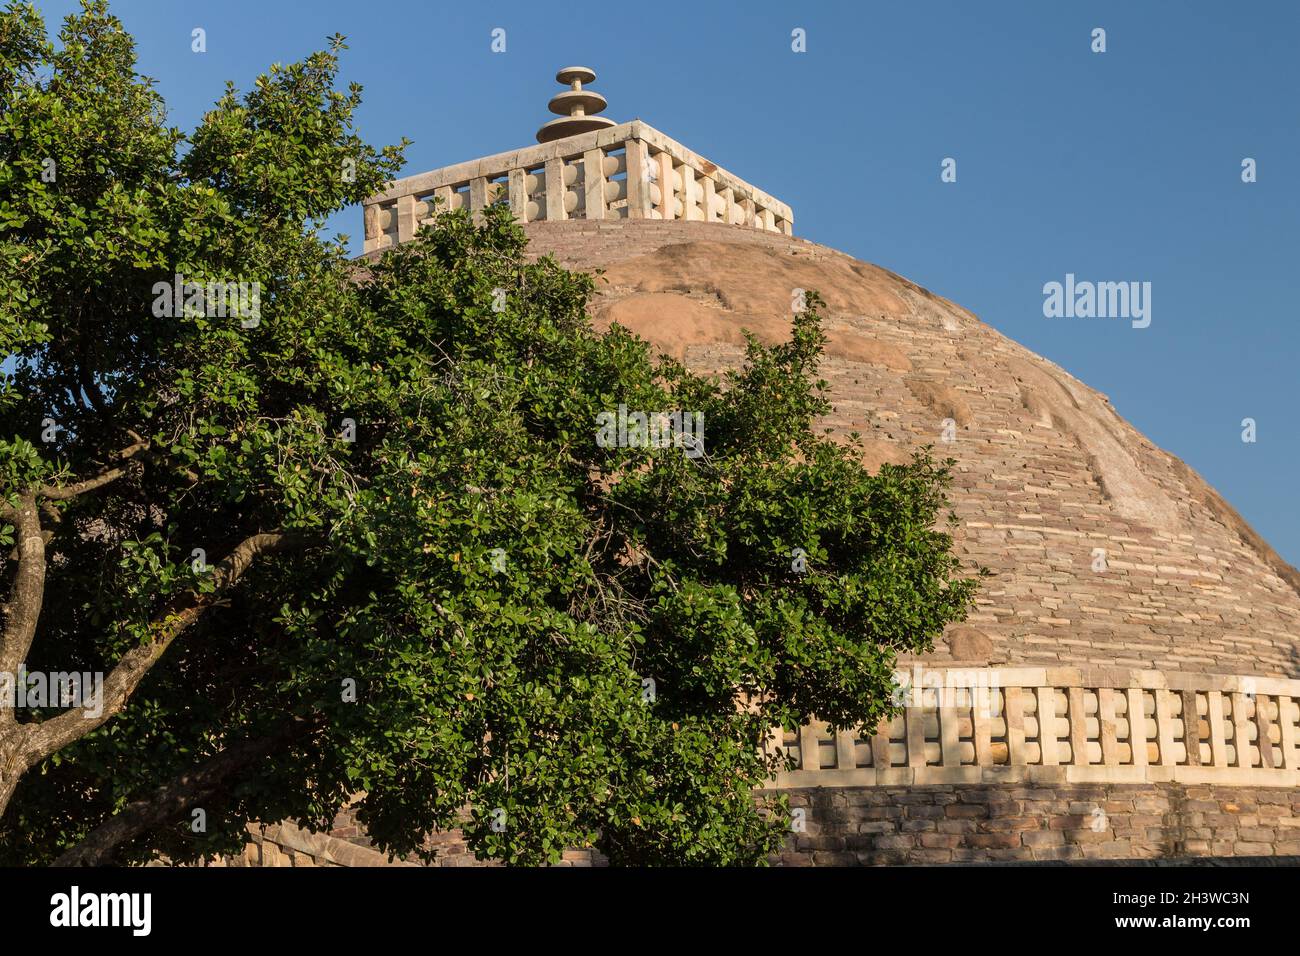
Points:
(875, 826)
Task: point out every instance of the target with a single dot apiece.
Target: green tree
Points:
(367, 539)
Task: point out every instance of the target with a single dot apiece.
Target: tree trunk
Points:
(13, 763)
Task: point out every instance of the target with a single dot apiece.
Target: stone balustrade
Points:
(627, 171)
(1063, 725)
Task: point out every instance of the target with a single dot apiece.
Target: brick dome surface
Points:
(1047, 471)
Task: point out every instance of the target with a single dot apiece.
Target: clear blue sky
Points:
(1115, 166)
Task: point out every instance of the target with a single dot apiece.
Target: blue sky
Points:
(1118, 166)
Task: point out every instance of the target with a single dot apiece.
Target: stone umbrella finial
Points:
(576, 107)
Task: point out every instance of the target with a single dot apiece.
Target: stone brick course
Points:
(942, 824)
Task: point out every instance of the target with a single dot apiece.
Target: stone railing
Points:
(614, 173)
(989, 726)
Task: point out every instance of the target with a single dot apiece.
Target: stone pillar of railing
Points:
(405, 218)
(593, 183)
(478, 198)
(1046, 712)
(747, 208)
(1218, 739)
(710, 198)
(1240, 731)
(916, 732)
(667, 190)
(809, 757)
(846, 750)
(518, 193)
(371, 223)
(689, 208)
(1262, 728)
(1290, 746)
(1107, 727)
(555, 190)
(880, 759)
(638, 182)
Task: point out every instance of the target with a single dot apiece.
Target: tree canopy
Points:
(361, 535)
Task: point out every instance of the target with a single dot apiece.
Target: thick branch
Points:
(56, 733)
(27, 596)
(27, 593)
(56, 493)
(181, 793)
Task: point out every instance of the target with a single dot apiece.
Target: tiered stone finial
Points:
(576, 107)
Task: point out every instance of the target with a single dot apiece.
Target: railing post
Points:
(809, 748)
(1218, 741)
(846, 755)
(1047, 725)
(728, 205)
(593, 183)
(982, 718)
(1164, 728)
(1078, 727)
(709, 191)
(405, 218)
(916, 730)
(1262, 725)
(371, 217)
(442, 193)
(478, 198)
(775, 740)
(667, 189)
(555, 190)
(1191, 729)
(518, 193)
(1241, 731)
(688, 194)
(946, 711)
(1137, 727)
(638, 181)
(1290, 755)
(880, 746)
(1015, 716)
(1106, 734)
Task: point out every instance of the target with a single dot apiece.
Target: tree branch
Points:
(56, 493)
(52, 735)
(27, 594)
(171, 800)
